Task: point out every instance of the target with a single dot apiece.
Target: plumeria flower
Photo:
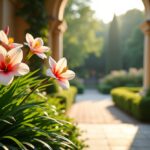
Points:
(11, 65)
(8, 43)
(60, 72)
(36, 46)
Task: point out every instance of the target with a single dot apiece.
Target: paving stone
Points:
(106, 127)
(120, 148)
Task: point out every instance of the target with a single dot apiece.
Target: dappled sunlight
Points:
(116, 137)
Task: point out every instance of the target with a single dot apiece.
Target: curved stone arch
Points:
(57, 14)
(56, 8)
(147, 8)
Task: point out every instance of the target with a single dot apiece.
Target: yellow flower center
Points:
(64, 70)
(37, 44)
(11, 40)
(7, 59)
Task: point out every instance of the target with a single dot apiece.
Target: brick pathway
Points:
(106, 127)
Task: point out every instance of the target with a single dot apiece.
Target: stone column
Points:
(56, 38)
(7, 15)
(146, 29)
(1, 12)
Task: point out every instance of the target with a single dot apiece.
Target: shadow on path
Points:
(107, 127)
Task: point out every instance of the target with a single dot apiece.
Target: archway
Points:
(57, 25)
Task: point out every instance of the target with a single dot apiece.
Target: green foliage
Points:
(67, 96)
(113, 57)
(77, 44)
(28, 120)
(132, 38)
(131, 41)
(91, 68)
(58, 107)
(129, 22)
(78, 84)
(104, 88)
(53, 88)
(133, 51)
(130, 100)
(34, 13)
(121, 78)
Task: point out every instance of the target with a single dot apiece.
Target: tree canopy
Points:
(89, 44)
(130, 38)
(83, 35)
(113, 53)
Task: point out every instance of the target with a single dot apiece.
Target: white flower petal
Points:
(69, 75)
(29, 38)
(16, 55)
(41, 55)
(64, 84)
(21, 69)
(17, 45)
(52, 62)
(3, 53)
(50, 73)
(3, 37)
(6, 79)
(61, 64)
(45, 48)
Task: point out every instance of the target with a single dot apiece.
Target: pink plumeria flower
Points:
(36, 46)
(60, 72)
(11, 65)
(8, 43)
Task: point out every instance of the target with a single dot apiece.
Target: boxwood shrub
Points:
(132, 78)
(131, 101)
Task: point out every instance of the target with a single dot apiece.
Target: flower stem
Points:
(36, 87)
(28, 56)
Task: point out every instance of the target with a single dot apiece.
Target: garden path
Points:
(105, 126)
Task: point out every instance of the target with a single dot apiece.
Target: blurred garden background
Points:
(95, 48)
(107, 107)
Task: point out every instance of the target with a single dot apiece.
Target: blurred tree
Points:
(113, 53)
(128, 22)
(83, 35)
(94, 62)
(133, 53)
(132, 38)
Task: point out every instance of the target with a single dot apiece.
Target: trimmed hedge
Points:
(132, 78)
(78, 83)
(130, 100)
(67, 97)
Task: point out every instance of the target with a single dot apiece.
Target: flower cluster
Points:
(11, 56)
